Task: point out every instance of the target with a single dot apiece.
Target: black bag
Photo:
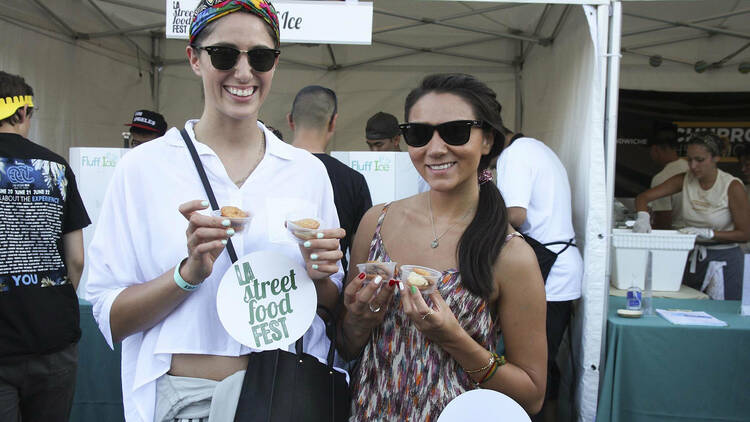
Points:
(293, 387)
(280, 386)
(544, 255)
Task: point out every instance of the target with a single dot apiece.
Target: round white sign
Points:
(266, 300)
(483, 405)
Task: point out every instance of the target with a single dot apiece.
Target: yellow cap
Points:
(9, 105)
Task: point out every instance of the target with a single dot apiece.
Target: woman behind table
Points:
(714, 207)
(157, 258)
(415, 357)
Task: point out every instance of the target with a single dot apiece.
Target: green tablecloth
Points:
(657, 371)
(98, 394)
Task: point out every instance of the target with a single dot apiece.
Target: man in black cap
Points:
(382, 132)
(147, 125)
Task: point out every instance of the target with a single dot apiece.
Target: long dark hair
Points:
(483, 239)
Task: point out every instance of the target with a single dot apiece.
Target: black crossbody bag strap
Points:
(206, 185)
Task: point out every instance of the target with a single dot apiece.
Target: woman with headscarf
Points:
(156, 260)
(714, 207)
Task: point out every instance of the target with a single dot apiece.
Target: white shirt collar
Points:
(274, 145)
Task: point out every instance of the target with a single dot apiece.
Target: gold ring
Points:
(428, 314)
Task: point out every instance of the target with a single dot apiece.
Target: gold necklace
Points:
(436, 239)
(262, 151)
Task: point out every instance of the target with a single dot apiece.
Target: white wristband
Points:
(181, 283)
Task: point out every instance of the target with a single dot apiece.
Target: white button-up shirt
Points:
(141, 235)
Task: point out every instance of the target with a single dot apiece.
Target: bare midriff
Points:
(210, 367)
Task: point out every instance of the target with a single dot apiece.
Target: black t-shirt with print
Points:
(39, 203)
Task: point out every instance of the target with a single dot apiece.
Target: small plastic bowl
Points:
(238, 224)
(374, 269)
(432, 278)
(300, 233)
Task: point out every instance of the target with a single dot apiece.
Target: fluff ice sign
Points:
(266, 301)
(329, 22)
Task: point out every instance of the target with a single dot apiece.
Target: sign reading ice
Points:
(266, 301)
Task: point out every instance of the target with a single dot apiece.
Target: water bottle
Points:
(648, 305)
(634, 298)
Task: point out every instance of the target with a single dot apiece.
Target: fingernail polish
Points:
(400, 285)
(224, 242)
(230, 232)
(226, 223)
(307, 244)
(314, 256)
(319, 235)
(361, 276)
(391, 282)
(413, 290)
(204, 203)
(314, 266)
(377, 280)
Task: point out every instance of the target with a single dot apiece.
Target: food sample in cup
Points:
(423, 278)
(373, 269)
(238, 218)
(303, 228)
(233, 212)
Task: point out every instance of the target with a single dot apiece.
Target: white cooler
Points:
(630, 250)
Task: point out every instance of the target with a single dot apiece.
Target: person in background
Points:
(714, 207)
(418, 354)
(382, 132)
(41, 261)
(667, 212)
(158, 256)
(147, 125)
(313, 121)
(743, 155)
(535, 186)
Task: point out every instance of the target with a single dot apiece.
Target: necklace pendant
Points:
(434, 244)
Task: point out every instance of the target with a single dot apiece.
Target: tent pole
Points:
(518, 123)
(709, 29)
(156, 67)
(610, 137)
(670, 26)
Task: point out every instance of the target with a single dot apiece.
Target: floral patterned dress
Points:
(402, 375)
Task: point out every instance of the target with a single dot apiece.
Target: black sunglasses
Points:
(455, 133)
(225, 58)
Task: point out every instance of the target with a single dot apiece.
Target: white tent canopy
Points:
(93, 62)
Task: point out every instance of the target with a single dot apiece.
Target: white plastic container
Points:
(630, 250)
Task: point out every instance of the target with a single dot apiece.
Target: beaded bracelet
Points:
(497, 362)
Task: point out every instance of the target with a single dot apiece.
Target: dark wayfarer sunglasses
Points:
(225, 58)
(454, 133)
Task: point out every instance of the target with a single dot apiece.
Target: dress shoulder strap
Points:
(381, 218)
(512, 235)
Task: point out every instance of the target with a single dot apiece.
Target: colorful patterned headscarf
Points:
(210, 10)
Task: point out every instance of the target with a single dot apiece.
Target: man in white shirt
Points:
(663, 151)
(535, 187)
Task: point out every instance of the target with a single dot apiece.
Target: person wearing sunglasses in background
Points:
(535, 186)
(157, 257)
(41, 261)
(418, 353)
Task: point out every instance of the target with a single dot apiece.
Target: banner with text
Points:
(326, 22)
(390, 175)
(640, 112)
(266, 301)
(93, 168)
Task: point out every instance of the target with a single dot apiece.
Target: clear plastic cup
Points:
(373, 269)
(423, 278)
(238, 224)
(300, 233)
